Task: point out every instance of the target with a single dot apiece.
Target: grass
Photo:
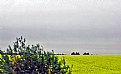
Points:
(94, 64)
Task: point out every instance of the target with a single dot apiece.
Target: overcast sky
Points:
(63, 25)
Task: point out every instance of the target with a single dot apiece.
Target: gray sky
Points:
(63, 25)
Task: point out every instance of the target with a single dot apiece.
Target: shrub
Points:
(22, 59)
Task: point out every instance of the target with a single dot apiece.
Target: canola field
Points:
(94, 64)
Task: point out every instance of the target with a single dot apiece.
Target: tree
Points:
(75, 53)
(86, 53)
(32, 59)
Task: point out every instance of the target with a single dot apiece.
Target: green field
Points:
(94, 64)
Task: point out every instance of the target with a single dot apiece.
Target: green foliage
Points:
(33, 60)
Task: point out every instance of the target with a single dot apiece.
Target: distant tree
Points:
(86, 53)
(73, 53)
(60, 54)
(77, 53)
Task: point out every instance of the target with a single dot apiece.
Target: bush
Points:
(22, 59)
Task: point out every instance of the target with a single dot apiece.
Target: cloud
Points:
(63, 24)
(1, 28)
